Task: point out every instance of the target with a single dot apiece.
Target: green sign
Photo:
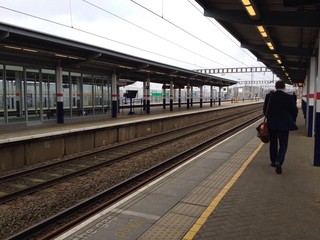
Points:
(156, 94)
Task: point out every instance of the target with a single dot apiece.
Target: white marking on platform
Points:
(137, 214)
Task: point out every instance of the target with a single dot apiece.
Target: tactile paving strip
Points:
(172, 226)
(188, 209)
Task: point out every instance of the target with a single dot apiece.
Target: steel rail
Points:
(48, 183)
(135, 182)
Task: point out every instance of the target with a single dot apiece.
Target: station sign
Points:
(156, 94)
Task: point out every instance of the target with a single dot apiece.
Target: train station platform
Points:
(17, 132)
(53, 141)
(264, 205)
(228, 192)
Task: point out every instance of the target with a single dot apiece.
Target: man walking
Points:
(281, 118)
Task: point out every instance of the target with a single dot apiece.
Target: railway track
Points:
(22, 183)
(131, 183)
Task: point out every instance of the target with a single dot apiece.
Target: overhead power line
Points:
(137, 26)
(218, 27)
(150, 32)
(187, 32)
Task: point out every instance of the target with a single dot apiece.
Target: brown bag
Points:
(263, 132)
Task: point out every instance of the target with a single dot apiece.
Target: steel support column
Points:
(164, 96)
(310, 97)
(219, 96)
(144, 95)
(188, 95)
(60, 114)
(148, 95)
(179, 98)
(114, 96)
(211, 95)
(201, 94)
(171, 95)
(316, 160)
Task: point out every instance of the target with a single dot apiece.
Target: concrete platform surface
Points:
(229, 192)
(167, 208)
(265, 205)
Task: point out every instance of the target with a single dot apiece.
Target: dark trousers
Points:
(277, 155)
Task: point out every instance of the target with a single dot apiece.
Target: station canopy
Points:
(35, 49)
(282, 34)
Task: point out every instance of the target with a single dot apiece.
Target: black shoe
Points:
(273, 164)
(278, 169)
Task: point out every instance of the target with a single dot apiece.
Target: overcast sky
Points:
(173, 32)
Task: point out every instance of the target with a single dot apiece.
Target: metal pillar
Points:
(114, 95)
(144, 95)
(18, 83)
(171, 96)
(310, 97)
(179, 97)
(188, 95)
(60, 114)
(316, 160)
(148, 95)
(201, 93)
(304, 99)
(191, 96)
(211, 95)
(164, 96)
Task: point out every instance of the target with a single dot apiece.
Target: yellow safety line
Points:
(205, 215)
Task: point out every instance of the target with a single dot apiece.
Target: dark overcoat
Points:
(282, 112)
